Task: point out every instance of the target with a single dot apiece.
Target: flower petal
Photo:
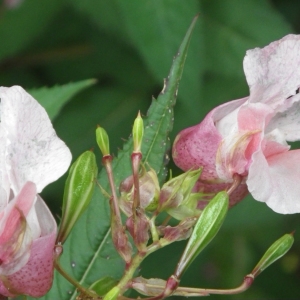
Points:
(287, 122)
(34, 152)
(4, 187)
(35, 278)
(15, 237)
(276, 181)
(234, 154)
(274, 71)
(197, 146)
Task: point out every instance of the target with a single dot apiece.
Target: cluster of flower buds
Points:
(142, 199)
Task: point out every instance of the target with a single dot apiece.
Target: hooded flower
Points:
(31, 156)
(249, 136)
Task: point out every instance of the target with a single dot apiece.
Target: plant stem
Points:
(136, 158)
(78, 286)
(198, 292)
(129, 272)
(106, 160)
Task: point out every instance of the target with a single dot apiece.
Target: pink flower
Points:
(31, 156)
(249, 136)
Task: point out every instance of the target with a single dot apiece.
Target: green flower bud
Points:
(102, 140)
(137, 133)
(177, 191)
(277, 250)
(103, 285)
(188, 207)
(204, 231)
(112, 294)
(78, 192)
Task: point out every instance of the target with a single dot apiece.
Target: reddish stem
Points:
(136, 158)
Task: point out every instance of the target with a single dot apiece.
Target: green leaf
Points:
(54, 98)
(160, 120)
(206, 228)
(154, 28)
(88, 252)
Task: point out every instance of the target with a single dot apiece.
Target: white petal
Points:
(34, 153)
(287, 123)
(4, 184)
(274, 70)
(276, 181)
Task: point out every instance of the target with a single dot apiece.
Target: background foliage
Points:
(128, 46)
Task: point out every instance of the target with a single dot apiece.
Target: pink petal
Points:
(34, 152)
(234, 154)
(273, 72)
(15, 237)
(275, 180)
(197, 146)
(35, 278)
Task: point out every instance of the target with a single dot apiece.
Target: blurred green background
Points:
(128, 47)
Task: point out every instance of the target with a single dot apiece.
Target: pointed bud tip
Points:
(138, 133)
(102, 140)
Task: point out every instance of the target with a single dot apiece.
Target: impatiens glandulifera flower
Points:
(31, 157)
(248, 137)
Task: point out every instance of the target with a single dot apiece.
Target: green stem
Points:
(78, 286)
(129, 273)
(154, 233)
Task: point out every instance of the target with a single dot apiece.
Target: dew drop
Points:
(70, 292)
(107, 257)
(73, 264)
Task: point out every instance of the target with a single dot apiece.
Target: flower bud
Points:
(277, 250)
(149, 192)
(177, 233)
(112, 294)
(102, 140)
(120, 239)
(141, 235)
(137, 133)
(177, 190)
(103, 285)
(78, 192)
(204, 231)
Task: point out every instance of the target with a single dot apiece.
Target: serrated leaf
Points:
(89, 253)
(54, 98)
(154, 28)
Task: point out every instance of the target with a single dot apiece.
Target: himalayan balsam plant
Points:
(239, 147)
